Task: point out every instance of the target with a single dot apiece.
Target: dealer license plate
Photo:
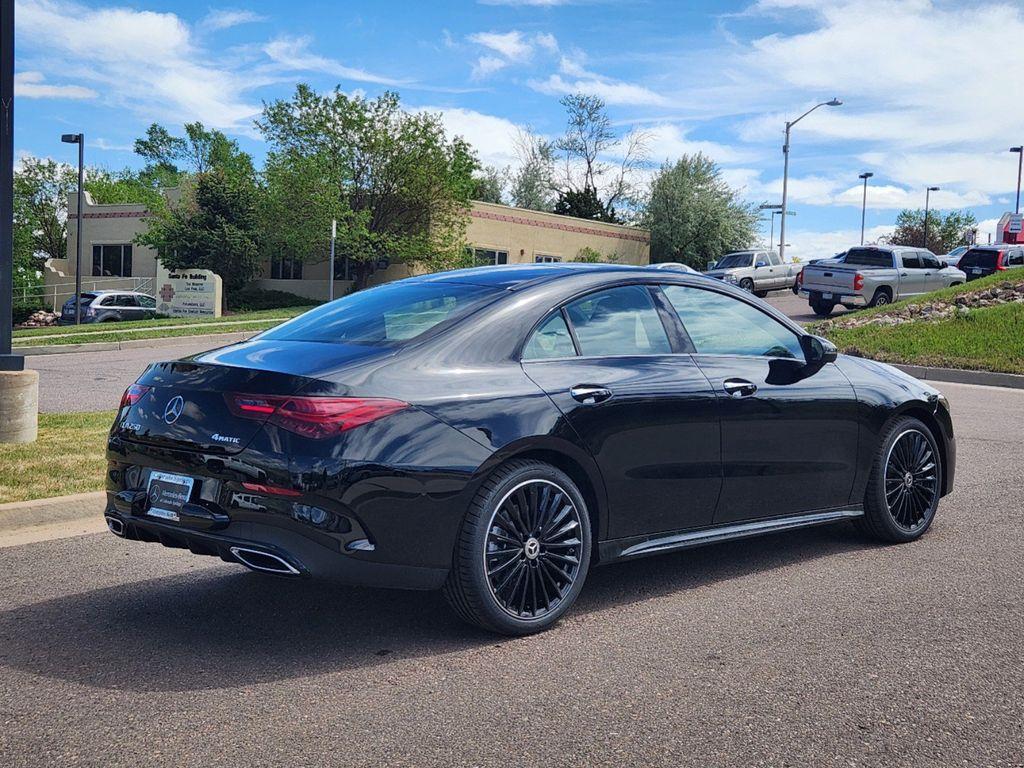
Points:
(826, 295)
(167, 494)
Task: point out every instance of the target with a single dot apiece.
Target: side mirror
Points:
(818, 351)
(760, 264)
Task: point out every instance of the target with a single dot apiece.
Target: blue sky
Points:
(931, 89)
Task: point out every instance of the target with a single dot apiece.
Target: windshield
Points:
(389, 314)
(86, 300)
(735, 260)
(866, 257)
(980, 257)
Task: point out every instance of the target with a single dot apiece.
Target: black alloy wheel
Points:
(747, 285)
(523, 551)
(905, 484)
(911, 480)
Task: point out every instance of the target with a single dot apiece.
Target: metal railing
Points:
(55, 294)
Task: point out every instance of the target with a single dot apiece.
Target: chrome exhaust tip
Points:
(115, 525)
(264, 562)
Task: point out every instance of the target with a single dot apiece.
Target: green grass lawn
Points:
(987, 339)
(154, 329)
(68, 457)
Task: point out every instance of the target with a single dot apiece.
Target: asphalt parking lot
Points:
(94, 381)
(807, 649)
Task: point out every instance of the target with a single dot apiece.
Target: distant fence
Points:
(55, 294)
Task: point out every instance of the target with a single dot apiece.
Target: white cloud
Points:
(225, 18)
(32, 85)
(107, 146)
(504, 49)
(488, 65)
(492, 137)
(612, 91)
(511, 45)
(140, 59)
(669, 141)
(531, 3)
(805, 245)
(293, 54)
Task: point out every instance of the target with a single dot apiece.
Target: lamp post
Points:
(771, 240)
(785, 170)
(1020, 164)
(330, 278)
(79, 139)
(864, 203)
(8, 360)
(774, 208)
(927, 199)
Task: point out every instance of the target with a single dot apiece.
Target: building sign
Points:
(188, 292)
(1015, 222)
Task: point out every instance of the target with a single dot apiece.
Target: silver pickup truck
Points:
(869, 276)
(755, 271)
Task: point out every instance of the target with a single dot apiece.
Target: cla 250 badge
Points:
(226, 439)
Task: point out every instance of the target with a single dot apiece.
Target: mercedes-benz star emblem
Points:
(174, 408)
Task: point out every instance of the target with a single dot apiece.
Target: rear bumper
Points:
(273, 548)
(846, 299)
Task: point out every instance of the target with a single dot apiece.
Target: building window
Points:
(285, 269)
(541, 258)
(112, 260)
(487, 257)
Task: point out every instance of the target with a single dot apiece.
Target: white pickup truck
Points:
(874, 275)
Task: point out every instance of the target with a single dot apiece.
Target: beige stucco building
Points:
(497, 234)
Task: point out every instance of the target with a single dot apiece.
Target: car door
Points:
(912, 275)
(935, 278)
(1015, 258)
(148, 306)
(789, 440)
(764, 275)
(639, 404)
(128, 307)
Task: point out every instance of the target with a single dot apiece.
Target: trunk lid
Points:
(185, 404)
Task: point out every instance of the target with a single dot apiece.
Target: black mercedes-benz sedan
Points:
(497, 432)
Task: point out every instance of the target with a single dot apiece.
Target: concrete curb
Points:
(956, 376)
(27, 514)
(215, 339)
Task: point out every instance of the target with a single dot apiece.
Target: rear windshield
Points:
(980, 257)
(864, 257)
(389, 314)
(734, 260)
(86, 300)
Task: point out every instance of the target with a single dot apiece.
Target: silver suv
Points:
(108, 307)
(755, 271)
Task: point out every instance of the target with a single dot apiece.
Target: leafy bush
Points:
(254, 299)
(23, 310)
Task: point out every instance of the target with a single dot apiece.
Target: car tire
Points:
(761, 294)
(898, 509)
(822, 308)
(881, 298)
(747, 284)
(523, 550)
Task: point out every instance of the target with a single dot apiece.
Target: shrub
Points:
(254, 299)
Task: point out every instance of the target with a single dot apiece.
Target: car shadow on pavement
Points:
(217, 629)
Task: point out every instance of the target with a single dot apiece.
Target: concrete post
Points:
(19, 406)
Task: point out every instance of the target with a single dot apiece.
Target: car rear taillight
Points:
(800, 277)
(1000, 267)
(858, 281)
(313, 417)
(132, 394)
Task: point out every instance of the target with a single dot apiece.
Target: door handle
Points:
(739, 387)
(588, 394)
(904, 274)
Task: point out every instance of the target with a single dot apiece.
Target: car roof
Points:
(513, 276)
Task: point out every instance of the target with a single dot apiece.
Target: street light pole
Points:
(334, 236)
(864, 203)
(1020, 165)
(785, 171)
(8, 360)
(927, 195)
(79, 139)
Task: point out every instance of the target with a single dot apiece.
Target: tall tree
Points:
(198, 151)
(694, 216)
(214, 227)
(489, 185)
(533, 182)
(587, 173)
(399, 187)
(41, 189)
(945, 231)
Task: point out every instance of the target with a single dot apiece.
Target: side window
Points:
(147, 302)
(619, 321)
(722, 325)
(928, 261)
(774, 259)
(760, 258)
(1016, 258)
(552, 339)
(124, 300)
(911, 260)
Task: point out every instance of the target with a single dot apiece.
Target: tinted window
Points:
(911, 260)
(147, 302)
(721, 325)
(734, 260)
(126, 300)
(865, 257)
(929, 261)
(1016, 258)
(552, 339)
(985, 258)
(390, 313)
(620, 321)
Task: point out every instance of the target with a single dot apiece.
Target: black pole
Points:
(78, 236)
(1020, 164)
(8, 360)
(927, 194)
